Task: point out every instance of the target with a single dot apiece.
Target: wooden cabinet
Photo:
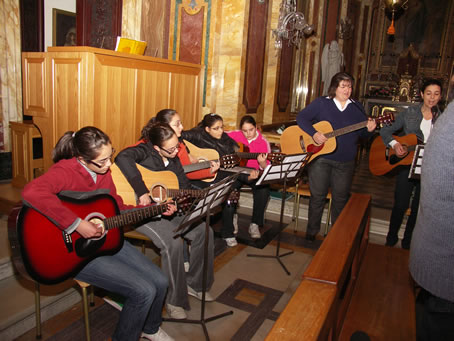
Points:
(26, 155)
(68, 88)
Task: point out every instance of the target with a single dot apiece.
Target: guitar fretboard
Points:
(195, 193)
(134, 216)
(247, 155)
(346, 129)
(196, 166)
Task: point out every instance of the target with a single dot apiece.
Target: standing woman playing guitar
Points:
(210, 134)
(417, 119)
(250, 136)
(82, 161)
(333, 170)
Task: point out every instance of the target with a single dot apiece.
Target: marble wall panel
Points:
(10, 68)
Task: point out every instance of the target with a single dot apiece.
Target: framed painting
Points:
(63, 28)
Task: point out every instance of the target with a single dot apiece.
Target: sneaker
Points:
(186, 266)
(160, 335)
(254, 231)
(235, 223)
(231, 242)
(175, 312)
(198, 295)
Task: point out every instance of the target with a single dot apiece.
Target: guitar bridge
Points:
(68, 241)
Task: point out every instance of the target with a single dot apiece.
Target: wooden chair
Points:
(138, 236)
(302, 189)
(84, 287)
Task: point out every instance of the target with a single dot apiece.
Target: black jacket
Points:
(145, 155)
(199, 137)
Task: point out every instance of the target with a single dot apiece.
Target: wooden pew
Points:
(318, 307)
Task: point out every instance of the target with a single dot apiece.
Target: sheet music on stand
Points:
(290, 166)
(415, 169)
(214, 196)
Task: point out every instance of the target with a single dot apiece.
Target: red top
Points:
(66, 175)
(184, 159)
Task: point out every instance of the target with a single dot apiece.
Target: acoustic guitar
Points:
(48, 255)
(227, 162)
(294, 140)
(383, 159)
(163, 185)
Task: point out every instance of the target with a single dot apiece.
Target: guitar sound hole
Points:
(158, 193)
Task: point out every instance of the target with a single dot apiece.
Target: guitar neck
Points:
(172, 193)
(247, 155)
(196, 166)
(134, 216)
(346, 130)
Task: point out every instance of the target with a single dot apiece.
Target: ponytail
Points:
(84, 143)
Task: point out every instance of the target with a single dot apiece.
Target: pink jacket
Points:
(259, 145)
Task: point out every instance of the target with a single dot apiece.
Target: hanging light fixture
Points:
(394, 6)
(291, 25)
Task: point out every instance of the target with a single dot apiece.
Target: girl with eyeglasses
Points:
(82, 161)
(210, 134)
(158, 151)
(173, 119)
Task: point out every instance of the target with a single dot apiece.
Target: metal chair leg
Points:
(38, 311)
(328, 216)
(85, 306)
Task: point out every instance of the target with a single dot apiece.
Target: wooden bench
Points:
(351, 286)
(335, 266)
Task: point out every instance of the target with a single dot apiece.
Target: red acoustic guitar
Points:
(48, 255)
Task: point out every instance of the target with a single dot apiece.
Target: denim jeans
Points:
(323, 174)
(142, 284)
(402, 195)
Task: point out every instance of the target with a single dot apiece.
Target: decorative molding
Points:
(285, 78)
(255, 55)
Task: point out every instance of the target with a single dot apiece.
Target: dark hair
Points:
(248, 119)
(159, 132)
(335, 81)
(163, 116)
(430, 81)
(84, 143)
(209, 120)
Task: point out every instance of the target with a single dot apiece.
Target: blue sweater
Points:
(324, 109)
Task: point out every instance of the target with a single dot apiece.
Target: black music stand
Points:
(415, 169)
(290, 168)
(209, 203)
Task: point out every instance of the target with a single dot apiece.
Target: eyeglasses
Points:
(102, 163)
(171, 150)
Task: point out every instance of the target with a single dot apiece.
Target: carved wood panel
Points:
(98, 22)
(255, 55)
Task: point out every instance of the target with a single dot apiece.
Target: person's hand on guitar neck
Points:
(145, 200)
(214, 166)
(319, 138)
(261, 159)
(400, 150)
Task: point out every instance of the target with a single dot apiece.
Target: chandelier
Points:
(394, 6)
(291, 26)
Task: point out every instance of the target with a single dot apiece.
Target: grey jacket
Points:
(432, 245)
(408, 120)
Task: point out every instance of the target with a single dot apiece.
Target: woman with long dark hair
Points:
(158, 152)
(82, 161)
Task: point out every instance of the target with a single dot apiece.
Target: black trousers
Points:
(402, 195)
(434, 318)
